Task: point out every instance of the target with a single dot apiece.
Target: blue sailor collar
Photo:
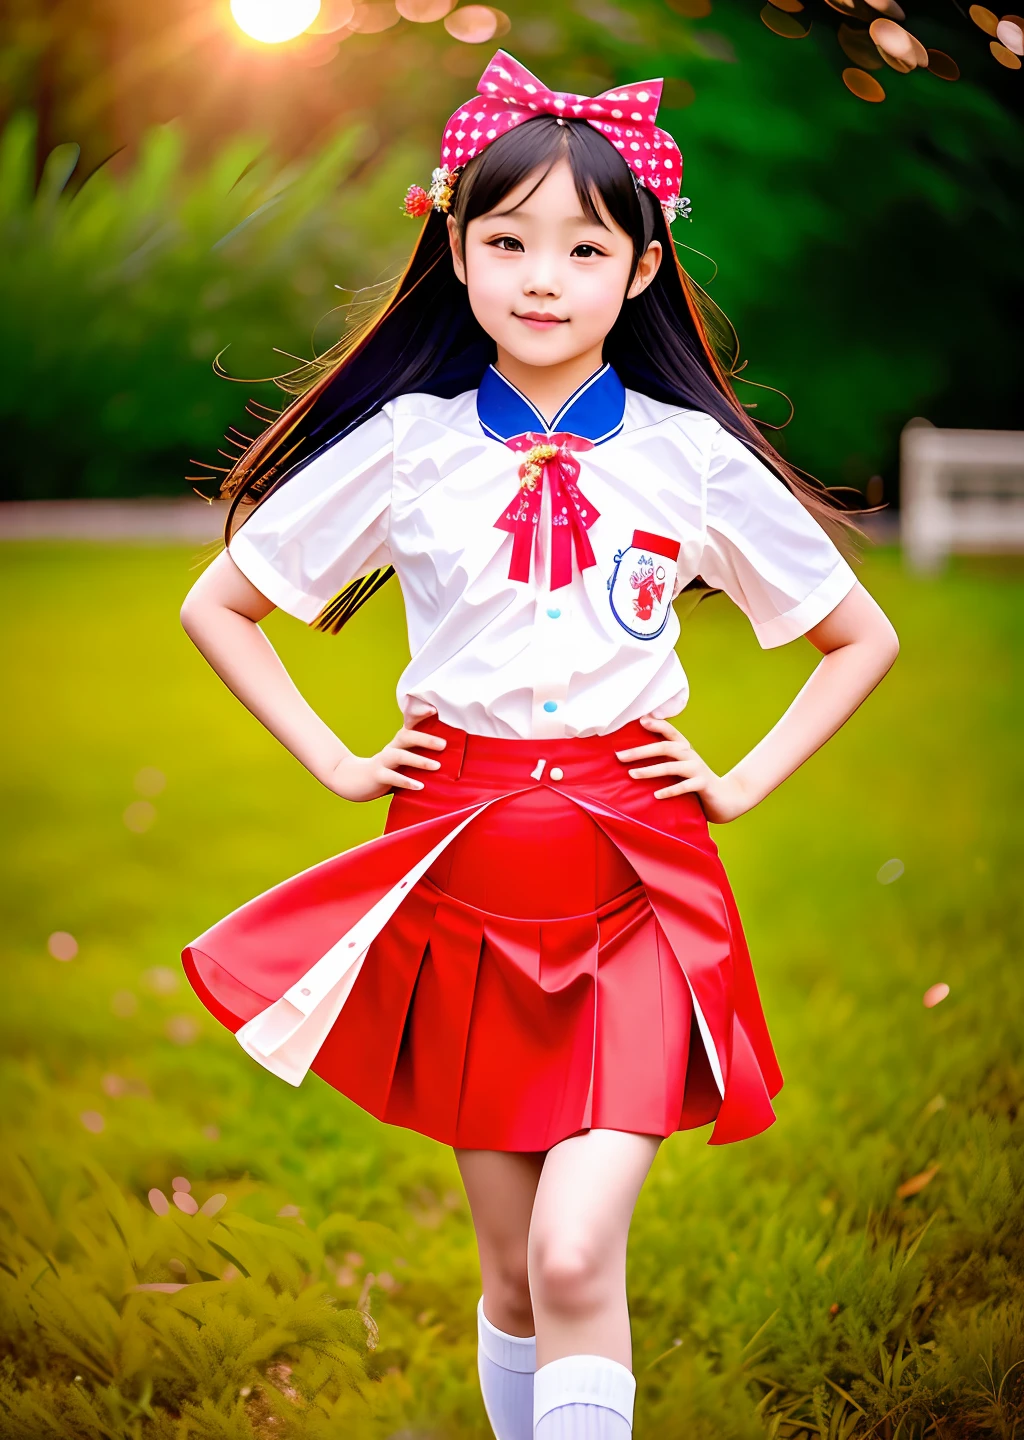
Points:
(594, 411)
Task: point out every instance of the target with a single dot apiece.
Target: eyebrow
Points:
(580, 220)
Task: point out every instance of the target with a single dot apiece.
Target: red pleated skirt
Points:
(572, 958)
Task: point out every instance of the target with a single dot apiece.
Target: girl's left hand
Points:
(720, 797)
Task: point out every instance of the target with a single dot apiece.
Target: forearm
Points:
(859, 645)
(245, 660)
(841, 681)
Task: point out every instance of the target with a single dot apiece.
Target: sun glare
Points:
(274, 21)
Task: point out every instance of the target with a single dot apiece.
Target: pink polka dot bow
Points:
(508, 95)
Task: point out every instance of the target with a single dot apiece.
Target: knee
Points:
(568, 1275)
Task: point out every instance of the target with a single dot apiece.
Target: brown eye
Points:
(507, 242)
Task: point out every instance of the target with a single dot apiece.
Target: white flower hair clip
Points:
(678, 208)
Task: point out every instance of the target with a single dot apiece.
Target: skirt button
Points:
(555, 774)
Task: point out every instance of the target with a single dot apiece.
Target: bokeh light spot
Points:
(181, 1183)
(185, 1202)
(274, 21)
(62, 946)
(211, 1206)
(161, 980)
(124, 1004)
(1004, 56)
(863, 85)
(890, 871)
(854, 10)
(181, 1030)
(334, 14)
(159, 1202)
(472, 24)
(372, 18)
(888, 8)
(984, 19)
(139, 816)
(859, 47)
(149, 781)
(116, 1086)
(422, 12)
(788, 26)
(943, 65)
(902, 67)
(934, 995)
(1011, 34)
(93, 1121)
(691, 9)
(895, 43)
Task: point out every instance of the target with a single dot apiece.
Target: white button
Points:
(556, 774)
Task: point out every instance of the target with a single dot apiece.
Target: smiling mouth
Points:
(540, 320)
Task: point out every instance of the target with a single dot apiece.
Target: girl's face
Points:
(546, 283)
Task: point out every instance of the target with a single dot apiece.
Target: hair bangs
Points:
(604, 183)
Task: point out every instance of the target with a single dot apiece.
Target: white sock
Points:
(583, 1397)
(506, 1364)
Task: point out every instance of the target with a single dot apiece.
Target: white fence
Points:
(157, 521)
(960, 490)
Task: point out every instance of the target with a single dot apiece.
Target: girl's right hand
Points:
(358, 777)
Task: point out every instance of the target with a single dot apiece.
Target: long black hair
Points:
(670, 342)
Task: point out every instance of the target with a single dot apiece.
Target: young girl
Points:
(540, 962)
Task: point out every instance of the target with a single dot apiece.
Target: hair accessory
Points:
(508, 95)
(439, 197)
(680, 207)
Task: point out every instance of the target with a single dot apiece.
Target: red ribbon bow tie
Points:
(508, 95)
(571, 512)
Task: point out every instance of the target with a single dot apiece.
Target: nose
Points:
(543, 279)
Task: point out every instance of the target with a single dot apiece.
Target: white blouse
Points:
(421, 486)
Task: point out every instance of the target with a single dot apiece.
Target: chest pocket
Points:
(643, 583)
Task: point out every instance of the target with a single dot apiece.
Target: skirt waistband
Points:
(514, 763)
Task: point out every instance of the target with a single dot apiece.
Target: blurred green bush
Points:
(116, 295)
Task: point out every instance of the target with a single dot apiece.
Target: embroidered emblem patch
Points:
(641, 586)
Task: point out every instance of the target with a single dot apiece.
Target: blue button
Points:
(554, 614)
(550, 705)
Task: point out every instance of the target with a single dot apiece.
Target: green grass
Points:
(781, 1286)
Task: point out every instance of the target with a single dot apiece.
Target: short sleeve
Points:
(325, 526)
(765, 549)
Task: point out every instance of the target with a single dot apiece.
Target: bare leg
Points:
(500, 1186)
(577, 1245)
